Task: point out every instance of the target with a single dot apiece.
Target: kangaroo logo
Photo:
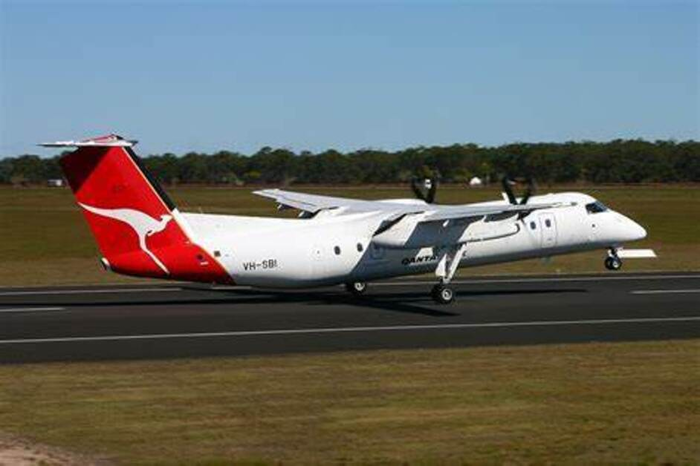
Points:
(143, 225)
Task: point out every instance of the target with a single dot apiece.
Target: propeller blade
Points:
(508, 189)
(416, 189)
(529, 191)
(430, 198)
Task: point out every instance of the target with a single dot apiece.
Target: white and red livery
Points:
(141, 232)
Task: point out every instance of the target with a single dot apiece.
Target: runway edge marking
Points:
(30, 309)
(326, 330)
(663, 291)
(540, 280)
(379, 283)
(88, 291)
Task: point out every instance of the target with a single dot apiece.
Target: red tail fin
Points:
(134, 221)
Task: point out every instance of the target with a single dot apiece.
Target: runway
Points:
(190, 321)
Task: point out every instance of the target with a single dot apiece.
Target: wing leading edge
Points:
(314, 203)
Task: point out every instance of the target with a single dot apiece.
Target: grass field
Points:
(44, 239)
(632, 403)
(583, 404)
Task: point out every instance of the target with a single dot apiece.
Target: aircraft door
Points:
(548, 230)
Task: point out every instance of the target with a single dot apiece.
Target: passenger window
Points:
(359, 247)
(548, 223)
(533, 225)
(337, 250)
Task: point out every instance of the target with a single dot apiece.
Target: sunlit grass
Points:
(45, 240)
(586, 404)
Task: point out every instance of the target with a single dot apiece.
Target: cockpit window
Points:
(596, 207)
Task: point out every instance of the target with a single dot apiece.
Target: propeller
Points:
(527, 194)
(508, 189)
(419, 187)
(529, 191)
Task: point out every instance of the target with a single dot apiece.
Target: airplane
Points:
(333, 240)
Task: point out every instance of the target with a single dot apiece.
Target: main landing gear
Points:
(356, 288)
(445, 270)
(613, 261)
(442, 294)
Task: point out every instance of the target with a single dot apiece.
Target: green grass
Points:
(595, 403)
(584, 404)
(44, 239)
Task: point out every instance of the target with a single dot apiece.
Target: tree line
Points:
(618, 161)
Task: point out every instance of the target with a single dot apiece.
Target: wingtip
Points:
(265, 192)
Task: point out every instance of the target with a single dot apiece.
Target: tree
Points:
(618, 161)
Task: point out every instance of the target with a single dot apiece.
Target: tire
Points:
(613, 263)
(356, 288)
(442, 294)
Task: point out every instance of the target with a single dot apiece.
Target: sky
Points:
(207, 76)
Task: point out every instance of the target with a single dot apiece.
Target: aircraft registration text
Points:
(266, 264)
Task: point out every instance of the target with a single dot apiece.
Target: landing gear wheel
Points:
(613, 263)
(442, 294)
(356, 288)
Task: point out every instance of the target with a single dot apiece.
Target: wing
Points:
(314, 203)
(442, 213)
(307, 202)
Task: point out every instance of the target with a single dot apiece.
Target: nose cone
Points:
(634, 231)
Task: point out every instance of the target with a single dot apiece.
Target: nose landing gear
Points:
(613, 261)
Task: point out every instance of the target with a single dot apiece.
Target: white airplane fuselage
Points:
(140, 231)
(333, 248)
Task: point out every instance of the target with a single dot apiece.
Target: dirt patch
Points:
(15, 451)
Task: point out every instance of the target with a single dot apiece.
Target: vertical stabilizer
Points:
(136, 225)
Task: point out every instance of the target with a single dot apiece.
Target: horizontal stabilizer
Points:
(636, 254)
(111, 140)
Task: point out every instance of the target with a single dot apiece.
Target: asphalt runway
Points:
(188, 321)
